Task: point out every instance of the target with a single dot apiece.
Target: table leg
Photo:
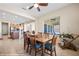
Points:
(43, 49)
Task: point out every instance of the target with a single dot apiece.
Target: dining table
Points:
(41, 39)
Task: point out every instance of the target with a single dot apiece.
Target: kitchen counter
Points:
(14, 35)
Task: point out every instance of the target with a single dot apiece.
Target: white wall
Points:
(39, 25)
(29, 26)
(25, 27)
(69, 19)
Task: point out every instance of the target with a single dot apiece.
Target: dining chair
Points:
(26, 41)
(46, 35)
(50, 46)
(39, 34)
(35, 45)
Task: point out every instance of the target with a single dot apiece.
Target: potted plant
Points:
(64, 43)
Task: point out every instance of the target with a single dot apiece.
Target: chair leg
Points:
(27, 48)
(24, 46)
(55, 51)
(51, 53)
(30, 50)
(35, 51)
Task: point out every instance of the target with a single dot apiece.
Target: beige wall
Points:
(69, 19)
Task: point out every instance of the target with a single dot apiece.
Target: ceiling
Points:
(14, 11)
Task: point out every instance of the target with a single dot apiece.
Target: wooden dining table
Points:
(42, 40)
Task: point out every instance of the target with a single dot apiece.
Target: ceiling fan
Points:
(36, 5)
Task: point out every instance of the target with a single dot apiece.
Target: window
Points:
(48, 28)
(45, 28)
(29, 27)
(52, 26)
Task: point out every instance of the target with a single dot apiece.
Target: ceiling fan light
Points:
(27, 7)
(35, 5)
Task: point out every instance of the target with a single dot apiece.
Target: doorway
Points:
(4, 28)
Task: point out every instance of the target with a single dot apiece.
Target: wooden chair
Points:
(35, 45)
(50, 46)
(39, 34)
(46, 35)
(26, 41)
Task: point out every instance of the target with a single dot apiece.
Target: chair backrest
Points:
(26, 38)
(33, 32)
(54, 40)
(39, 34)
(24, 35)
(46, 35)
(32, 40)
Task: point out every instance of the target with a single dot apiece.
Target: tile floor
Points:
(9, 47)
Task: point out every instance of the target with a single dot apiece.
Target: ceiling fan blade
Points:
(30, 7)
(43, 4)
(24, 8)
(38, 8)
